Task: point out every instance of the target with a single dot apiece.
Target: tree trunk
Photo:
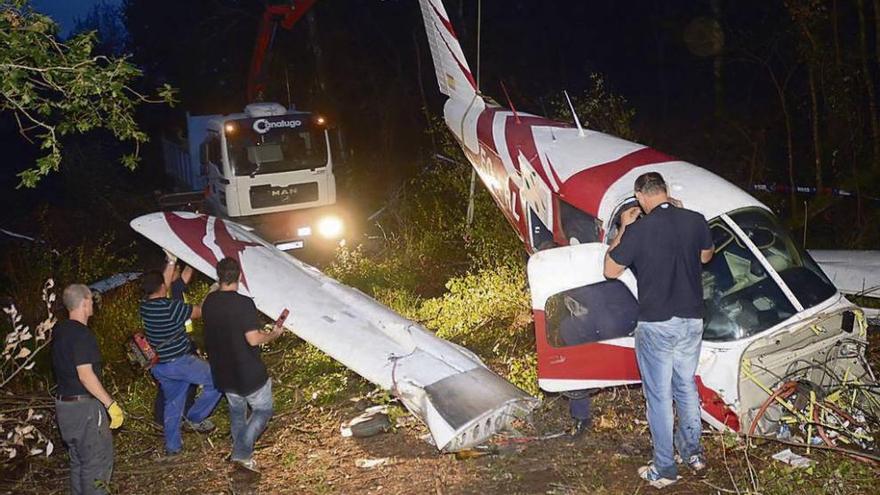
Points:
(877, 30)
(869, 86)
(718, 65)
(780, 91)
(316, 51)
(817, 144)
(836, 32)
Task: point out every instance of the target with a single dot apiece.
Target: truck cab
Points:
(271, 169)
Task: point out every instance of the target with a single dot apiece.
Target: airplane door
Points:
(583, 322)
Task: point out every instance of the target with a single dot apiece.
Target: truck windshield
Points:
(274, 144)
(739, 296)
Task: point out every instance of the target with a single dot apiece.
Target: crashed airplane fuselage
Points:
(770, 311)
(461, 401)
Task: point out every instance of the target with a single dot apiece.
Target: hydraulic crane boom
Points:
(285, 15)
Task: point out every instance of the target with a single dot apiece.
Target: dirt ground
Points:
(303, 452)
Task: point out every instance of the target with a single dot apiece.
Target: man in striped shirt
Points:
(164, 326)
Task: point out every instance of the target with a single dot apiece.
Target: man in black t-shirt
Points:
(232, 339)
(666, 248)
(85, 411)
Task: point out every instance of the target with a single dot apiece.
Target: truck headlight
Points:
(330, 227)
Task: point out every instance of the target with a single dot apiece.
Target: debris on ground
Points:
(372, 421)
(790, 458)
(372, 463)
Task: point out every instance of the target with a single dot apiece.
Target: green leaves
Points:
(59, 88)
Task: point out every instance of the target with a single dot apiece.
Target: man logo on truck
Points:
(263, 126)
(285, 193)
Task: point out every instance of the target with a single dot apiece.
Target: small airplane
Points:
(772, 316)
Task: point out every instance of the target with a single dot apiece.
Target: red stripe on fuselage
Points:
(521, 138)
(586, 188)
(712, 403)
(485, 129)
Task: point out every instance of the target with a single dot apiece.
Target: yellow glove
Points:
(116, 415)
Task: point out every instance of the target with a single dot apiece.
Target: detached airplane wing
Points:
(462, 402)
(852, 272)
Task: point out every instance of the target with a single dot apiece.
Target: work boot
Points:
(247, 464)
(579, 427)
(203, 426)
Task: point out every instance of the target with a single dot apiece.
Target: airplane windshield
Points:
(740, 298)
(273, 148)
(796, 268)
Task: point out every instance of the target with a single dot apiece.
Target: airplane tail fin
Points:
(453, 74)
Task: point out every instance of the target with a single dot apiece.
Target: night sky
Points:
(66, 12)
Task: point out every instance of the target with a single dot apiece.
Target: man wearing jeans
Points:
(232, 339)
(164, 326)
(666, 248)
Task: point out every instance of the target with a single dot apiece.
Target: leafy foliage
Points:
(598, 108)
(20, 431)
(56, 88)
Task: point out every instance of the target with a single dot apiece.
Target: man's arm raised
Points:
(612, 268)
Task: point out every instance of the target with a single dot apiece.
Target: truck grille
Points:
(267, 195)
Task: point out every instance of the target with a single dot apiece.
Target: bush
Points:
(487, 312)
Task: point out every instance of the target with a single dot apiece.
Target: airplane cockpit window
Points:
(739, 296)
(796, 268)
(592, 313)
(578, 226)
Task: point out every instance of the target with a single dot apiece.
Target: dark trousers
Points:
(85, 429)
(579, 404)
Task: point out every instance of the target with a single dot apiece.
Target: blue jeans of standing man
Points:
(668, 353)
(175, 377)
(245, 430)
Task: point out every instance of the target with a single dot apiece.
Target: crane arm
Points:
(286, 16)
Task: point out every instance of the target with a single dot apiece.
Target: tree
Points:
(105, 19)
(56, 88)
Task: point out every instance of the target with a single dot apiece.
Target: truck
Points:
(269, 168)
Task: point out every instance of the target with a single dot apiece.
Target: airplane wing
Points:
(853, 273)
(462, 402)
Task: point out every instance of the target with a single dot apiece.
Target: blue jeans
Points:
(668, 353)
(245, 430)
(175, 378)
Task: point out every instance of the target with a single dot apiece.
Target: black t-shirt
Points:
(73, 344)
(235, 365)
(664, 247)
